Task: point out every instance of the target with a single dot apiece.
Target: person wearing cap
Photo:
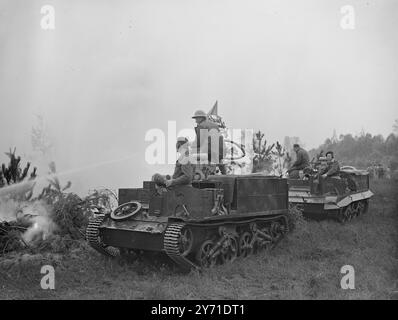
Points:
(207, 130)
(302, 162)
(183, 171)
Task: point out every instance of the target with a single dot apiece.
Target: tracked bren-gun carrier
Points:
(211, 222)
(342, 197)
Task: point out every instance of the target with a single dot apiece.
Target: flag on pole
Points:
(213, 111)
(213, 116)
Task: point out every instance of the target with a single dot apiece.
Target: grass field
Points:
(305, 265)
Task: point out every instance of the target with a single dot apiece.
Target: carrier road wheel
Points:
(346, 214)
(360, 208)
(342, 217)
(245, 247)
(203, 256)
(185, 241)
(264, 240)
(349, 213)
(229, 250)
(178, 243)
(266, 243)
(355, 210)
(277, 231)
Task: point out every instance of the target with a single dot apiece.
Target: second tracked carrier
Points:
(342, 197)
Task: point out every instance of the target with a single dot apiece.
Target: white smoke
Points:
(42, 225)
(35, 216)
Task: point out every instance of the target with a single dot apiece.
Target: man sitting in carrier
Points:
(183, 172)
(332, 167)
(302, 162)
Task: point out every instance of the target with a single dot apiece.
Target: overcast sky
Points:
(112, 70)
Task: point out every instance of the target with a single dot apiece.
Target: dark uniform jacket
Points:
(332, 168)
(183, 172)
(204, 131)
(302, 160)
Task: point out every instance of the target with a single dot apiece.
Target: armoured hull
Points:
(342, 197)
(213, 221)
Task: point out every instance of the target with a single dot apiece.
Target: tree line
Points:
(362, 151)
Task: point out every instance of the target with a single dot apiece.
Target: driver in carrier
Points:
(183, 172)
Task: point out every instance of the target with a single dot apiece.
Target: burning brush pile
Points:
(53, 220)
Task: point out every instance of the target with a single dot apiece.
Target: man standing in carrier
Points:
(207, 135)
